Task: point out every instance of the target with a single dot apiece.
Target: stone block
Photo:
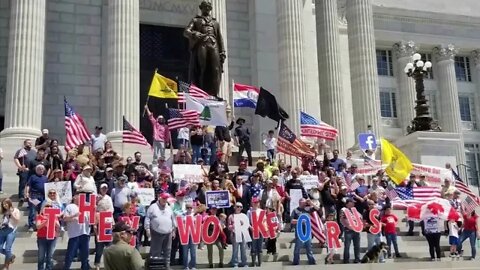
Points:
(60, 7)
(87, 50)
(53, 16)
(77, 101)
(72, 59)
(94, 60)
(89, 30)
(56, 47)
(87, 9)
(95, 20)
(60, 27)
(72, 79)
(82, 39)
(95, 101)
(95, 40)
(87, 70)
(94, 81)
(86, 91)
(59, 68)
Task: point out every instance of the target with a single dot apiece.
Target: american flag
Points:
(182, 118)
(469, 205)
(408, 196)
(289, 144)
(131, 135)
(76, 129)
(353, 186)
(318, 229)
(311, 127)
(192, 90)
(391, 194)
(464, 189)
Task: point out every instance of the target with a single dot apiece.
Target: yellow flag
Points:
(163, 87)
(399, 166)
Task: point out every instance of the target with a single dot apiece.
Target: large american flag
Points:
(464, 189)
(76, 129)
(414, 195)
(182, 118)
(311, 127)
(289, 144)
(192, 90)
(318, 228)
(132, 135)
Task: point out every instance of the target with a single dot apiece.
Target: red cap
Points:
(165, 196)
(180, 193)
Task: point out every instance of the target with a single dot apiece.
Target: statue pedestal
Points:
(433, 148)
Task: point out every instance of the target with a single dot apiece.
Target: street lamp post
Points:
(418, 70)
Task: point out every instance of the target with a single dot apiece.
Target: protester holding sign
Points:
(238, 245)
(46, 247)
(191, 247)
(11, 217)
(217, 242)
(352, 231)
(299, 211)
(78, 235)
(256, 247)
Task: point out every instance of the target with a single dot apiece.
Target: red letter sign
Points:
(354, 219)
(210, 239)
(52, 214)
(133, 222)
(189, 227)
(272, 225)
(333, 235)
(258, 225)
(105, 224)
(87, 208)
(376, 227)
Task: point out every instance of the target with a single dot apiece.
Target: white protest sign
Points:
(187, 172)
(63, 189)
(145, 195)
(295, 196)
(309, 181)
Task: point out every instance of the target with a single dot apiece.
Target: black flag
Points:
(267, 106)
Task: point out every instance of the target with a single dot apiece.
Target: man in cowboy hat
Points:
(242, 138)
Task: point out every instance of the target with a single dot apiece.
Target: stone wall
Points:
(72, 62)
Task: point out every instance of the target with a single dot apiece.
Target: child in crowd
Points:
(453, 228)
(389, 221)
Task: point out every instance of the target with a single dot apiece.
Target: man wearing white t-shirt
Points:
(98, 139)
(183, 137)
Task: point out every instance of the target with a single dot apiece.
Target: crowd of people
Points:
(96, 168)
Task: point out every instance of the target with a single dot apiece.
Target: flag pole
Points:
(230, 93)
(169, 134)
(148, 96)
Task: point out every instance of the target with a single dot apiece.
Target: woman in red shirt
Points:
(46, 247)
(469, 232)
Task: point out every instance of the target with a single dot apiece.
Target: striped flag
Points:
(192, 90)
(311, 127)
(412, 196)
(353, 186)
(76, 129)
(469, 205)
(464, 189)
(131, 135)
(182, 118)
(391, 194)
(318, 228)
(289, 144)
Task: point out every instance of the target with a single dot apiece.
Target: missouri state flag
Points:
(245, 96)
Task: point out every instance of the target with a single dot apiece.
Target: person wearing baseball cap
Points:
(243, 245)
(43, 142)
(256, 247)
(160, 228)
(121, 255)
(297, 212)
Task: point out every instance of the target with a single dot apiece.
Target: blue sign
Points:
(367, 141)
(217, 199)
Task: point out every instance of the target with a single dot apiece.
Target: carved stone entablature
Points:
(404, 49)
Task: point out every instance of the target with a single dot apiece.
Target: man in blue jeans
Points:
(349, 234)
(302, 209)
(78, 235)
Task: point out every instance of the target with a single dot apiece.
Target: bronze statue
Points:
(207, 51)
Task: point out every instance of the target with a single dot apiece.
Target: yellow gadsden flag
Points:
(398, 164)
(163, 87)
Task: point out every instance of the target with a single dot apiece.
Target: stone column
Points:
(447, 86)
(331, 88)
(363, 67)
(24, 93)
(403, 52)
(450, 120)
(219, 12)
(476, 76)
(291, 59)
(122, 96)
